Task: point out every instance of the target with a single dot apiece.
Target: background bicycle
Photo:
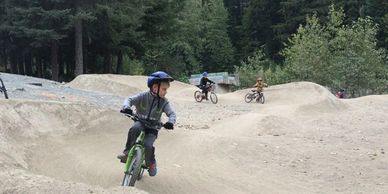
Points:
(199, 96)
(254, 95)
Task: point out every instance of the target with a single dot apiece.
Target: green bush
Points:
(337, 55)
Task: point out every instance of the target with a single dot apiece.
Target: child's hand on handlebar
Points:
(168, 125)
(126, 111)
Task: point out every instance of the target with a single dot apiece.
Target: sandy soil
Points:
(302, 140)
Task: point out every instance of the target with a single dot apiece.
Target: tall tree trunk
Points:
(107, 63)
(39, 66)
(20, 63)
(5, 59)
(60, 66)
(14, 63)
(69, 68)
(79, 66)
(28, 63)
(92, 61)
(119, 69)
(54, 60)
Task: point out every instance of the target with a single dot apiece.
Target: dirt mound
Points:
(36, 138)
(125, 85)
(304, 97)
(111, 84)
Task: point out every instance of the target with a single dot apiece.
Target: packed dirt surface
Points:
(302, 140)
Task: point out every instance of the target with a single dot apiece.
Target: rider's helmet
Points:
(204, 74)
(158, 77)
(259, 79)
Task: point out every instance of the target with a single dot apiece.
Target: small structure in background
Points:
(224, 81)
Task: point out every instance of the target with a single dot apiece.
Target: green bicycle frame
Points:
(139, 144)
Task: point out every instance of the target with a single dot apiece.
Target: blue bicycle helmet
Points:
(204, 74)
(157, 77)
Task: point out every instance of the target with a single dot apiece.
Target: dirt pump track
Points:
(302, 140)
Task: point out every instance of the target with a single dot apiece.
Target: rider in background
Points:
(260, 85)
(340, 93)
(203, 84)
(149, 107)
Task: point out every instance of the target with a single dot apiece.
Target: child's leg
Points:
(149, 140)
(133, 132)
(206, 91)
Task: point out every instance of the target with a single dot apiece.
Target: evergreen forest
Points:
(341, 44)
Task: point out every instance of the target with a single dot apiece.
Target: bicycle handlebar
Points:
(145, 122)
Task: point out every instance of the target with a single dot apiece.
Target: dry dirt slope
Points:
(303, 140)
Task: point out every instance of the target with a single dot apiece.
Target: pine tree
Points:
(294, 13)
(217, 52)
(82, 10)
(43, 27)
(258, 21)
(159, 25)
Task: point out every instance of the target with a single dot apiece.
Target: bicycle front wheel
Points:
(261, 99)
(141, 171)
(131, 174)
(213, 97)
(5, 94)
(248, 97)
(3, 89)
(198, 96)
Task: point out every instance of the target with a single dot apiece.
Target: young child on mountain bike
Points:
(149, 107)
(203, 84)
(260, 85)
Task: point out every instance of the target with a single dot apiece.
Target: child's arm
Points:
(170, 113)
(130, 101)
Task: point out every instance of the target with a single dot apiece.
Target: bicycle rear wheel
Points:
(248, 98)
(198, 96)
(213, 97)
(131, 175)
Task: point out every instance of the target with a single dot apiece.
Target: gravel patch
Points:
(32, 88)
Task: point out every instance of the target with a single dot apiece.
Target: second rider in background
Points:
(260, 85)
(203, 84)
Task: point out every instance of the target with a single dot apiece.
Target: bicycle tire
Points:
(3, 89)
(134, 168)
(141, 172)
(248, 98)
(5, 94)
(213, 97)
(261, 99)
(198, 96)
